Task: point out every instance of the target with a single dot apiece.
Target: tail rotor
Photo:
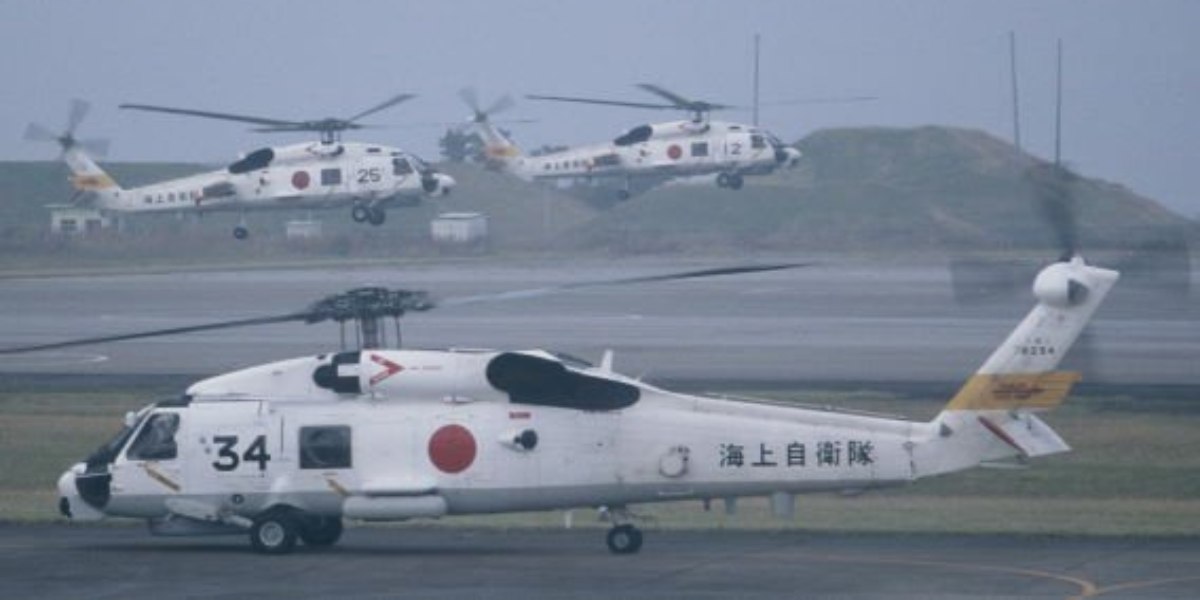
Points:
(66, 140)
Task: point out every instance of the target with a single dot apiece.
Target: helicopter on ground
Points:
(651, 153)
(322, 174)
(286, 450)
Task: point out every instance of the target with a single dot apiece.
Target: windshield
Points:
(109, 450)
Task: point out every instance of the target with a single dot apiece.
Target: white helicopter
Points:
(322, 174)
(285, 451)
(651, 153)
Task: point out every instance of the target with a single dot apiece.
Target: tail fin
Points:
(90, 181)
(991, 417)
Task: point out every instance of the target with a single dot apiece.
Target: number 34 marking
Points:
(228, 459)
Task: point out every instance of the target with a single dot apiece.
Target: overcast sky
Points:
(1131, 89)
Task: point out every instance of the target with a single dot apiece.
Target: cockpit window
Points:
(401, 167)
(156, 440)
(636, 135)
(757, 142)
(259, 159)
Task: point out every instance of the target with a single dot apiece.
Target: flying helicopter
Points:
(286, 450)
(650, 153)
(326, 173)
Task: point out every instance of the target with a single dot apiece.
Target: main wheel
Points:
(623, 195)
(320, 531)
(360, 213)
(274, 532)
(240, 232)
(735, 182)
(722, 180)
(624, 539)
(377, 216)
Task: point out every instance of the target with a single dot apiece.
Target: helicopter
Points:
(326, 173)
(651, 153)
(285, 451)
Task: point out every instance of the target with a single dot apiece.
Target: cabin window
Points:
(700, 149)
(259, 159)
(401, 167)
(156, 440)
(636, 135)
(325, 447)
(147, 199)
(331, 176)
(757, 142)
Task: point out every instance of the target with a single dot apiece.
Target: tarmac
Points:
(52, 561)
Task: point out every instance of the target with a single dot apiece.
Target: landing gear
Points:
(623, 195)
(360, 213)
(624, 539)
(240, 232)
(274, 532)
(377, 216)
(320, 531)
(731, 181)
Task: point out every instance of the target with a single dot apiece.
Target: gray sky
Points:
(1131, 90)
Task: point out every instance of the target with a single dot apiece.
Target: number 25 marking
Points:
(228, 459)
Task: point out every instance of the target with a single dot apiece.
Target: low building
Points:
(459, 228)
(70, 219)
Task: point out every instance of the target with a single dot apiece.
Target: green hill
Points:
(879, 189)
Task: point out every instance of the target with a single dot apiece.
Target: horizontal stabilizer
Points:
(1026, 433)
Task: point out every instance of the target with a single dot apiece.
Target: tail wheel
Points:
(320, 531)
(274, 532)
(240, 232)
(624, 539)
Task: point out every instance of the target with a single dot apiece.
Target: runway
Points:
(74, 561)
(840, 320)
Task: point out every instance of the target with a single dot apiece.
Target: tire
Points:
(240, 232)
(624, 539)
(377, 216)
(274, 532)
(735, 182)
(624, 195)
(320, 531)
(360, 213)
(722, 180)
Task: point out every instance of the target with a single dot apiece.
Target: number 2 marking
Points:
(228, 459)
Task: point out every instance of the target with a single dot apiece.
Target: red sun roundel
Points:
(452, 449)
(674, 152)
(300, 180)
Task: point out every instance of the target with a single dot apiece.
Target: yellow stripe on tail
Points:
(1038, 391)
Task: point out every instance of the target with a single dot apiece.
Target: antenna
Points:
(1012, 61)
(757, 38)
(1058, 107)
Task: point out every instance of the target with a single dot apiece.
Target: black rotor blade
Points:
(38, 133)
(213, 115)
(394, 100)
(534, 292)
(601, 102)
(79, 110)
(159, 332)
(501, 104)
(666, 94)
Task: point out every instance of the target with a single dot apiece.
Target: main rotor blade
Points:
(501, 104)
(158, 332)
(397, 99)
(37, 133)
(1052, 188)
(213, 115)
(79, 110)
(566, 287)
(666, 94)
(602, 102)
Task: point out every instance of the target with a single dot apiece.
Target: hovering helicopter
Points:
(285, 451)
(652, 153)
(314, 175)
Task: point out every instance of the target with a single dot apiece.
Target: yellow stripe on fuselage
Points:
(93, 182)
(1007, 392)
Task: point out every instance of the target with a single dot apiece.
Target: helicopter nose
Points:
(441, 184)
(787, 156)
(70, 504)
